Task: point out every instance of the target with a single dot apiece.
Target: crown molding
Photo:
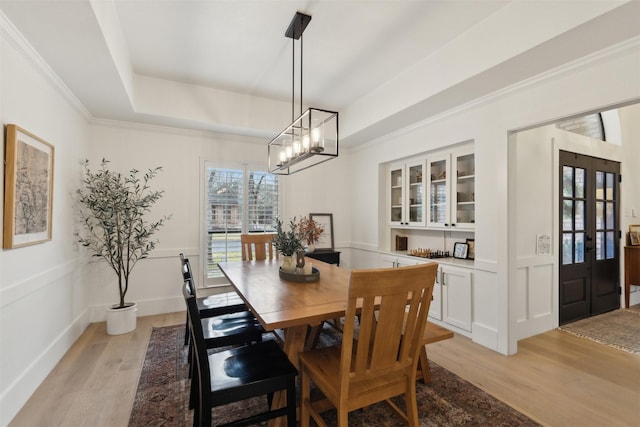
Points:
(22, 46)
(604, 54)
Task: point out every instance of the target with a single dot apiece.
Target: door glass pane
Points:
(609, 209)
(599, 185)
(599, 245)
(610, 245)
(579, 219)
(415, 214)
(567, 217)
(415, 174)
(609, 192)
(567, 248)
(567, 181)
(580, 183)
(579, 245)
(599, 215)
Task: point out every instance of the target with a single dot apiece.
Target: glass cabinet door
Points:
(438, 192)
(415, 186)
(396, 192)
(464, 194)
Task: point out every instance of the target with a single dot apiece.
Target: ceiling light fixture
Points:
(310, 139)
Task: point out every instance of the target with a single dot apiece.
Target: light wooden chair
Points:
(257, 246)
(382, 362)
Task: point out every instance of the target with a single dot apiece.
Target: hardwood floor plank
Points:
(556, 379)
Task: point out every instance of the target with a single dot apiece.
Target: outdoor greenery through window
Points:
(237, 201)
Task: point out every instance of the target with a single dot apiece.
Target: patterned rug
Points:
(618, 328)
(448, 401)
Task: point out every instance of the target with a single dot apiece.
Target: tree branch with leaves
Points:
(114, 210)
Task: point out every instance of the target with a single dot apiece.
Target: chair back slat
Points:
(202, 373)
(393, 315)
(257, 247)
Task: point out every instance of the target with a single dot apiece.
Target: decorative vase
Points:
(289, 263)
(311, 247)
(121, 320)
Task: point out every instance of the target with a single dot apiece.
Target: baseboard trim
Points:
(18, 393)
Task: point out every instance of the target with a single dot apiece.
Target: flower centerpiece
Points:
(288, 243)
(309, 231)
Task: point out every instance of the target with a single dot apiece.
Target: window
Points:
(242, 200)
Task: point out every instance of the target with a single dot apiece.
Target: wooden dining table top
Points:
(281, 304)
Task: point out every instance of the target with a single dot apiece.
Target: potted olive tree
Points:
(115, 228)
(287, 243)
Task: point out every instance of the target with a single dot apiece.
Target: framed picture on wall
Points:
(28, 183)
(634, 228)
(326, 238)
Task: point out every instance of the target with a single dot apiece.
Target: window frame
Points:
(207, 282)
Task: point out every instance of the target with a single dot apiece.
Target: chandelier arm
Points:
(293, 81)
(301, 67)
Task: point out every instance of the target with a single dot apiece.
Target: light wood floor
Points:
(556, 379)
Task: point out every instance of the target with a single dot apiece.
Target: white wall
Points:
(594, 84)
(534, 156)
(630, 206)
(43, 288)
(155, 282)
(48, 281)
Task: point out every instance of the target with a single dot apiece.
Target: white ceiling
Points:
(101, 49)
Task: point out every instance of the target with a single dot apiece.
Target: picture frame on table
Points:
(28, 197)
(634, 238)
(634, 228)
(460, 250)
(471, 253)
(325, 220)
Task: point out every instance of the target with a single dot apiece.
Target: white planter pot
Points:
(121, 320)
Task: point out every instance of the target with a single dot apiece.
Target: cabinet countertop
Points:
(457, 262)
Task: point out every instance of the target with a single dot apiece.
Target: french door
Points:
(589, 238)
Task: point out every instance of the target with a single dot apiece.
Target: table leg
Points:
(294, 340)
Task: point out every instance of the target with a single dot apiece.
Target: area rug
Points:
(448, 401)
(619, 329)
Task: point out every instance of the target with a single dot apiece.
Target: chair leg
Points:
(186, 330)
(193, 393)
(304, 398)
(424, 365)
(291, 403)
(343, 417)
(412, 405)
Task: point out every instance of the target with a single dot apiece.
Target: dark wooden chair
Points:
(238, 374)
(212, 305)
(382, 362)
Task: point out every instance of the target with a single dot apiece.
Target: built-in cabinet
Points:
(435, 191)
(454, 305)
(390, 261)
(452, 302)
(407, 193)
(451, 191)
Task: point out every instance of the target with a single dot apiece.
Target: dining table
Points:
(297, 309)
(289, 306)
